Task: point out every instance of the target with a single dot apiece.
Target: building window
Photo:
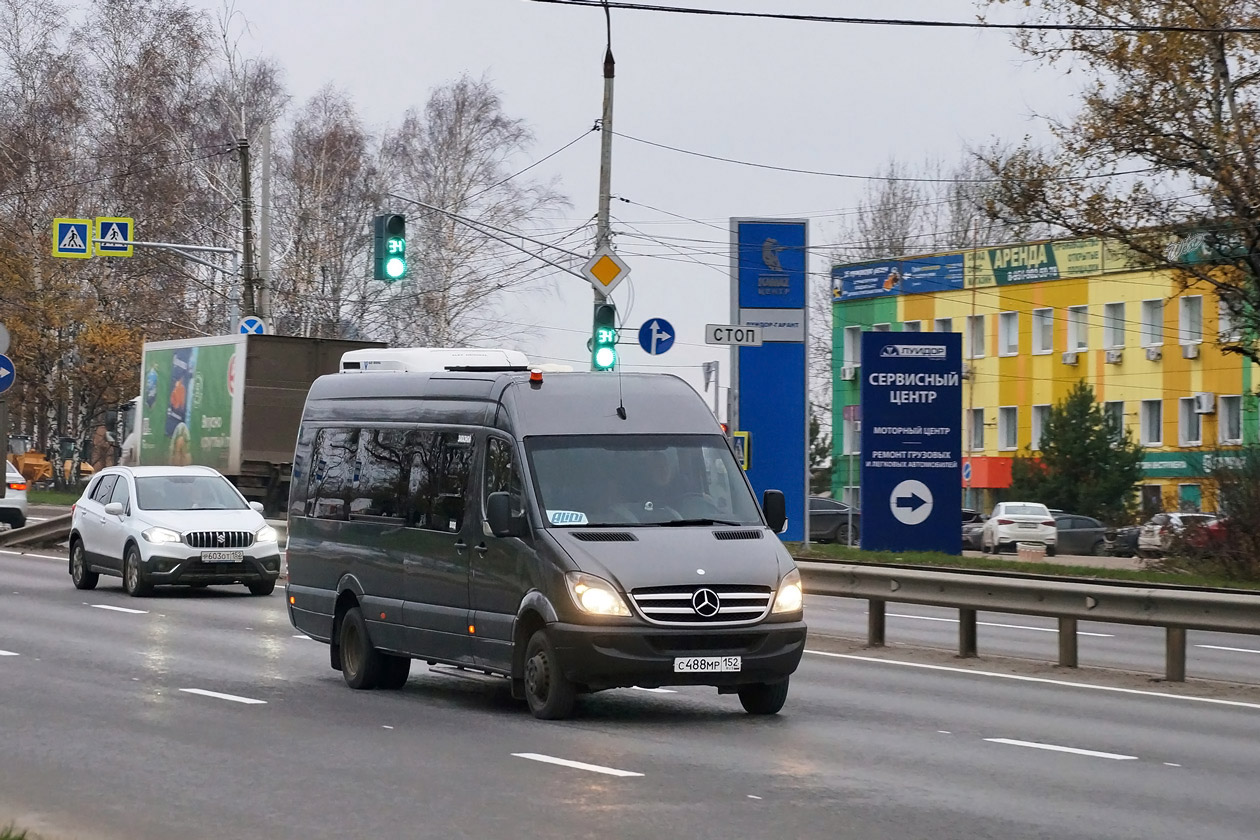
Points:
(912, 326)
(1078, 328)
(1152, 422)
(977, 429)
(1113, 326)
(1114, 411)
(1229, 419)
(1152, 322)
(975, 336)
(1191, 321)
(881, 328)
(1190, 428)
(943, 325)
(1039, 415)
(1008, 334)
(853, 346)
(1227, 329)
(1043, 331)
(1008, 427)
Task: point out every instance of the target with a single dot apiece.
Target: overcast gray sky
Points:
(839, 98)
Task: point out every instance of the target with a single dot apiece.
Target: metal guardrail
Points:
(52, 531)
(1070, 601)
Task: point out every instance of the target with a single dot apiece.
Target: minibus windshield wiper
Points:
(676, 523)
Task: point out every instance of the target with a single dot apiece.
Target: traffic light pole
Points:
(605, 163)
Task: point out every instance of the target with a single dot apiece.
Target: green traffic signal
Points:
(604, 343)
(390, 254)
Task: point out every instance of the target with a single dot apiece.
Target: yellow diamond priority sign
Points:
(605, 270)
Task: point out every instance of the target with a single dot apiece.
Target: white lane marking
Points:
(387, 727)
(26, 554)
(944, 732)
(995, 624)
(303, 636)
(750, 796)
(1233, 649)
(118, 609)
(577, 765)
(1022, 678)
(8, 653)
(249, 701)
(1170, 764)
(1056, 748)
(654, 690)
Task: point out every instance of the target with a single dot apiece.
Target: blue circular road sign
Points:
(656, 336)
(253, 325)
(8, 374)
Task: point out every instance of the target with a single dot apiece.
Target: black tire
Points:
(79, 573)
(1098, 549)
(550, 694)
(394, 672)
(361, 664)
(1051, 550)
(262, 587)
(135, 582)
(763, 699)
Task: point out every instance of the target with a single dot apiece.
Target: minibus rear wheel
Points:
(550, 694)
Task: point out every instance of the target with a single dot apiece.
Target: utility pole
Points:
(605, 158)
(247, 230)
(264, 230)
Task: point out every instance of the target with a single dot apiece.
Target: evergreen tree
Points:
(1089, 464)
(819, 457)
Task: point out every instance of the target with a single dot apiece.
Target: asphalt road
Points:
(204, 715)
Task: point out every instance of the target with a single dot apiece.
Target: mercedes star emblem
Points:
(706, 603)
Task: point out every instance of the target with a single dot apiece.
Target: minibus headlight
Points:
(595, 596)
(790, 597)
(161, 535)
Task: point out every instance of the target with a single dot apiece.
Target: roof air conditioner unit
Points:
(1204, 403)
(1069, 358)
(1114, 357)
(848, 373)
(1154, 354)
(1189, 351)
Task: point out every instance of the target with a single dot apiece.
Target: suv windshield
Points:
(620, 480)
(187, 492)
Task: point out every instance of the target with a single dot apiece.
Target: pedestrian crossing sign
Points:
(113, 237)
(71, 238)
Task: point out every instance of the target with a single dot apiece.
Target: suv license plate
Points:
(222, 556)
(707, 664)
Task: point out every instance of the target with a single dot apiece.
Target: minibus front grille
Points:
(604, 536)
(737, 535)
(700, 604)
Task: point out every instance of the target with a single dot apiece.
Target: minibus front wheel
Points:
(763, 699)
(550, 694)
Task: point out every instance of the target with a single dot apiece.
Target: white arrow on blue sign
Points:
(8, 374)
(656, 336)
(253, 325)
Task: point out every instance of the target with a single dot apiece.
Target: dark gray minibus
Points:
(572, 532)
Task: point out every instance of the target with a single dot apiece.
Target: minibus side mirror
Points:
(775, 509)
(499, 514)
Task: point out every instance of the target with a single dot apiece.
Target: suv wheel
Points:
(79, 573)
(135, 581)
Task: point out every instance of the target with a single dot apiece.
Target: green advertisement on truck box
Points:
(186, 405)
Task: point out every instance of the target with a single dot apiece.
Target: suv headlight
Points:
(595, 596)
(265, 534)
(161, 535)
(790, 597)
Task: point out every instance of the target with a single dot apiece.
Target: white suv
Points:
(170, 525)
(1017, 522)
(13, 505)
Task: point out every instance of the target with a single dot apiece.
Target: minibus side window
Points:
(440, 466)
(380, 491)
(332, 474)
(501, 474)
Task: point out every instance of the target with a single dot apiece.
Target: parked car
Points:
(829, 521)
(170, 525)
(971, 533)
(1159, 530)
(1080, 534)
(1017, 522)
(1125, 541)
(13, 505)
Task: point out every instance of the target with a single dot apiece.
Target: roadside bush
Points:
(8, 832)
(1229, 548)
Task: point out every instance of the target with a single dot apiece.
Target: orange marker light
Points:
(535, 375)
(471, 629)
(292, 600)
(382, 616)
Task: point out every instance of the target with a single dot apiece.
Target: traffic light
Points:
(604, 342)
(390, 254)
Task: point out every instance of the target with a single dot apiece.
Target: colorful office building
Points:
(1036, 319)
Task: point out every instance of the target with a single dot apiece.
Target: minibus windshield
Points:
(622, 480)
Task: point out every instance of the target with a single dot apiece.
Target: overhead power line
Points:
(932, 24)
